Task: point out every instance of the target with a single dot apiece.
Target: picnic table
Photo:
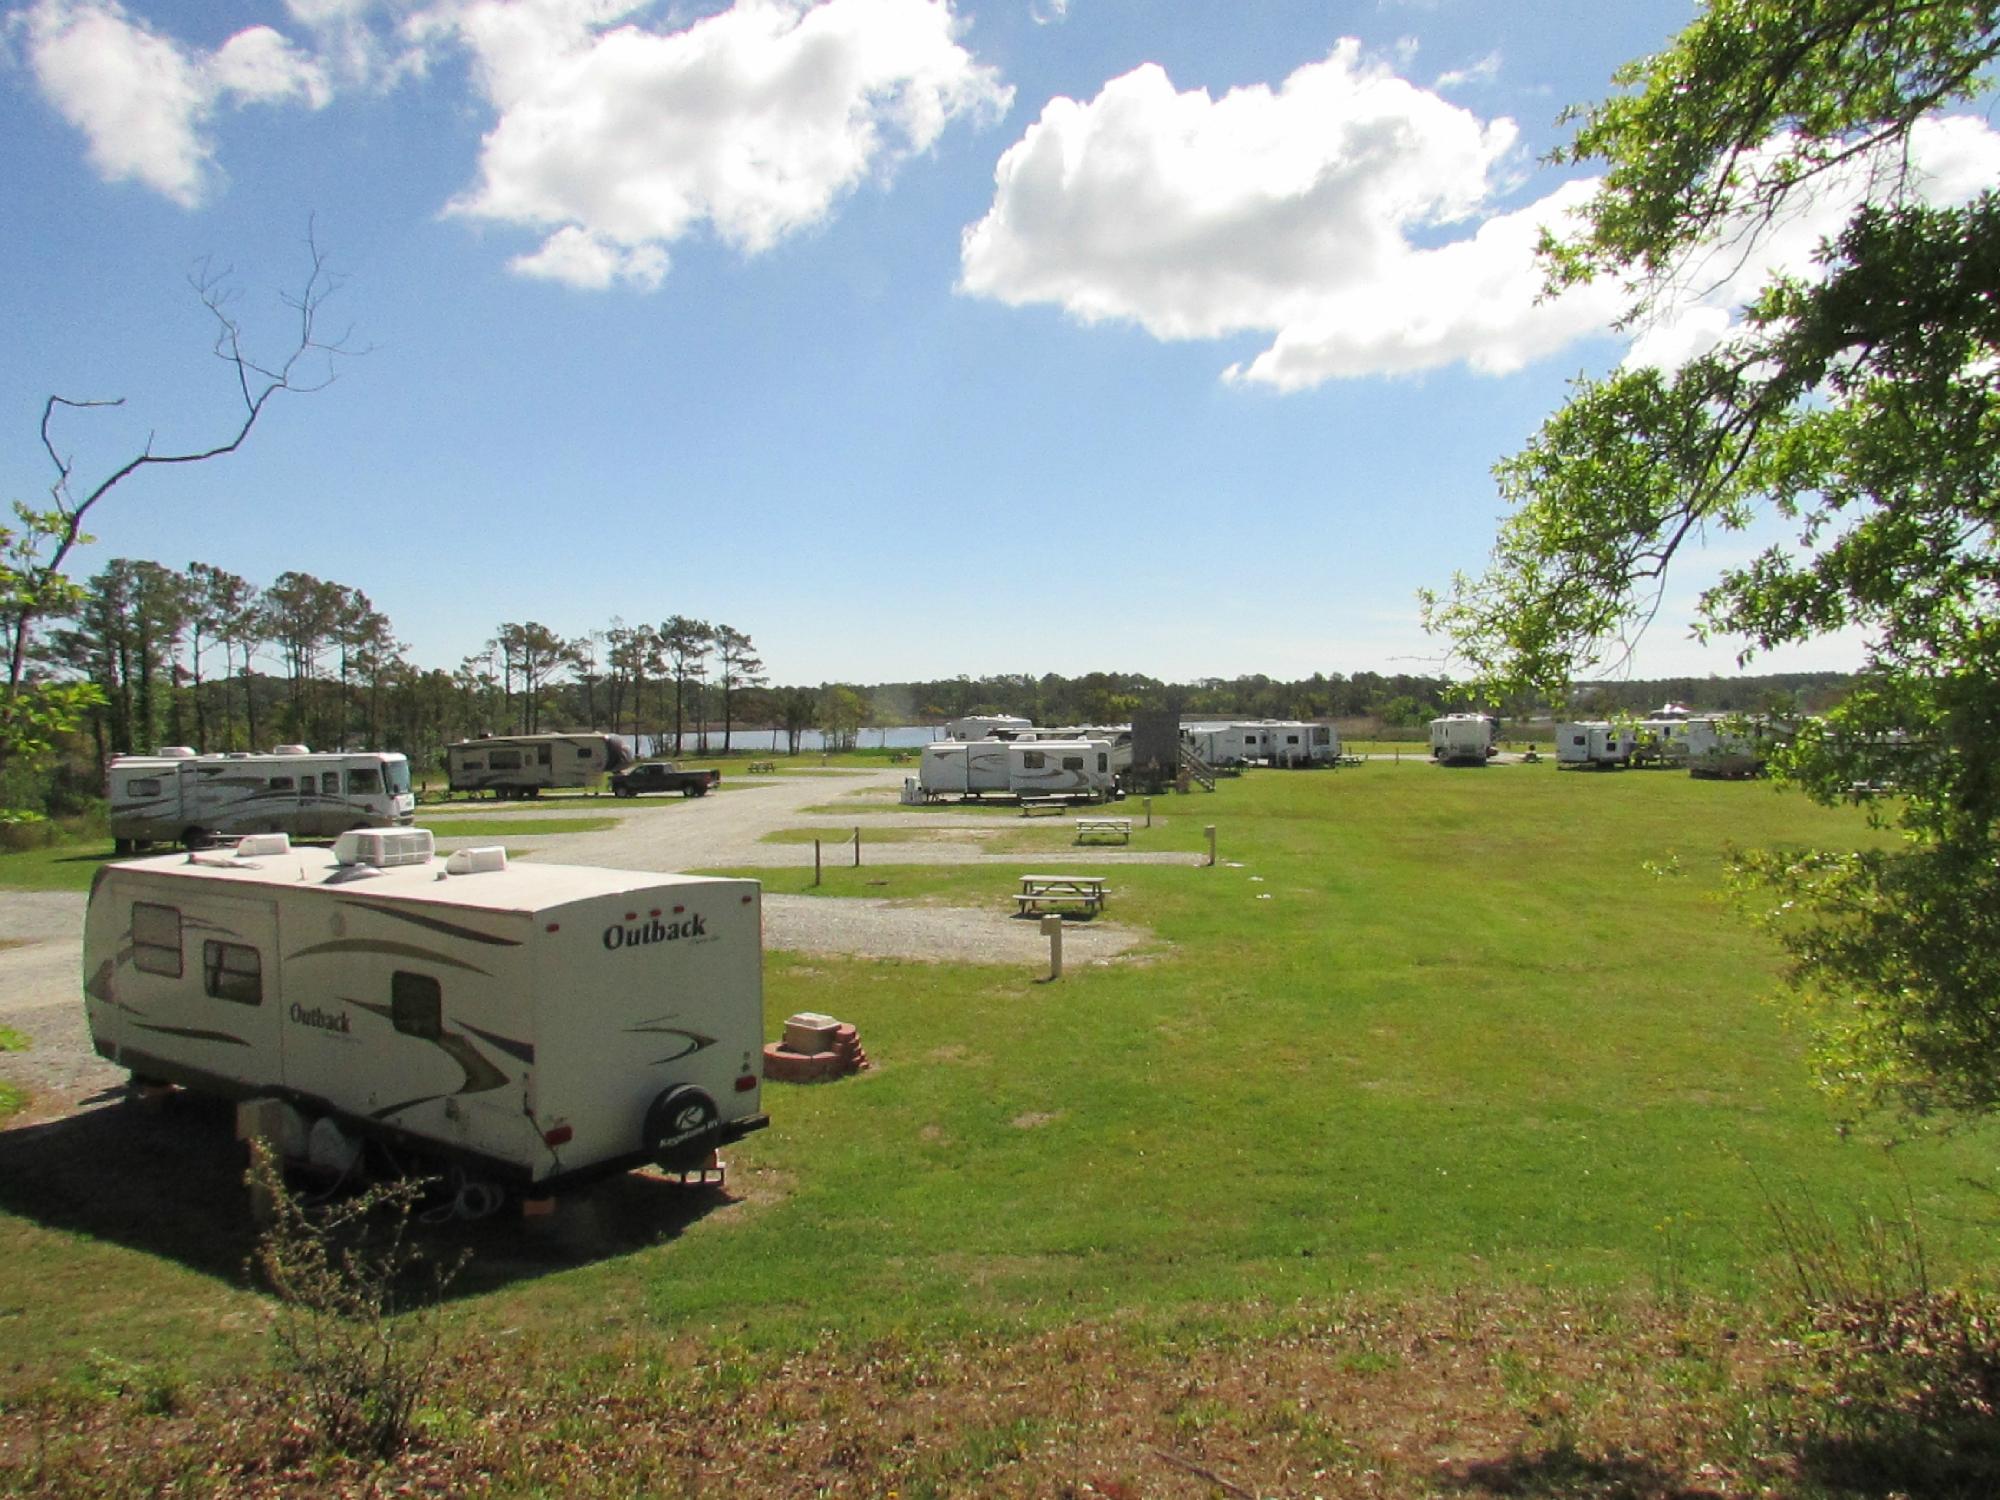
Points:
(757, 766)
(1045, 893)
(1034, 807)
(1107, 828)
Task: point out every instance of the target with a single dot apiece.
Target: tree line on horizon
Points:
(202, 657)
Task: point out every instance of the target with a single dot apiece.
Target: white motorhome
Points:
(963, 768)
(988, 727)
(177, 796)
(535, 1025)
(1463, 739)
(1061, 768)
(1594, 743)
(524, 765)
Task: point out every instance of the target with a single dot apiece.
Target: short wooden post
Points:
(1052, 929)
(1149, 812)
(815, 861)
(857, 847)
(1210, 831)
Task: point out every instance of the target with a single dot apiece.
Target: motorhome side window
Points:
(1032, 760)
(1103, 761)
(475, 765)
(142, 786)
(232, 971)
(1072, 762)
(584, 752)
(364, 782)
(416, 1005)
(156, 939)
(281, 783)
(329, 783)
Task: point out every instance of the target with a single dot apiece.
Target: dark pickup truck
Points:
(663, 776)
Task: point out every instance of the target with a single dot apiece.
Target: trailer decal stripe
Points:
(525, 1051)
(695, 1040)
(480, 1075)
(436, 924)
(393, 950)
(193, 1034)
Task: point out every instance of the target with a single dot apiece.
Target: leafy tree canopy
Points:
(1855, 401)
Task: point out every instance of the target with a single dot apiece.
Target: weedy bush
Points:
(1892, 1384)
(358, 1324)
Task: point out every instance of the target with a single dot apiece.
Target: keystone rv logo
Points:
(323, 1020)
(617, 936)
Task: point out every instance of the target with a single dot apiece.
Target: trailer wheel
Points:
(121, 846)
(194, 838)
(682, 1127)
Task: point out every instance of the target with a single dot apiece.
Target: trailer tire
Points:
(121, 846)
(193, 838)
(683, 1127)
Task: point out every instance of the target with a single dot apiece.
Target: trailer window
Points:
(232, 971)
(1072, 762)
(364, 782)
(1103, 761)
(472, 765)
(143, 786)
(541, 755)
(504, 760)
(1032, 760)
(585, 752)
(329, 783)
(281, 783)
(156, 939)
(416, 1005)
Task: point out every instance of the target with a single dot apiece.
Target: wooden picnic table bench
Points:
(1110, 828)
(1034, 807)
(757, 766)
(1044, 893)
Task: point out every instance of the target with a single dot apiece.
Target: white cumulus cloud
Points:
(1356, 220)
(619, 140)
(143, 100)
(1294, 211)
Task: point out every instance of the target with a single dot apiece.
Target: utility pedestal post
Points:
(1210, 831)
(1052, 928)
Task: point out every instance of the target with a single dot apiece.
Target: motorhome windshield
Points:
(397, 774)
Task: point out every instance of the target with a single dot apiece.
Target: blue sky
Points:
(911, 339)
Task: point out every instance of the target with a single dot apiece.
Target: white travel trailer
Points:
(1463, 739)
(1061, 768)
(987, 727)
(177, 796)
(1594, 743)
(1279, 742)
(524, 765)
(1723, 746)
(534, 1025)
(1660, 742)
(963, 768)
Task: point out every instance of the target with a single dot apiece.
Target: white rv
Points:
(963, 768)
(523, 765)
(1463, 739)
(534, 1024)
(1061, 768)
(987, 727)
(1292, 743)
(1594, 743)
(1279, 742)
(177, 796)
(1723, 746)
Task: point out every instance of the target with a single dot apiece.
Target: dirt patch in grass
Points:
(1530, 1394)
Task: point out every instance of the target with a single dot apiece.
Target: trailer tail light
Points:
(559, 1136)
(677, 910)
(555, 927)
(746, 1083)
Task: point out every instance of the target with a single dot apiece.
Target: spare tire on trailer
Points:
(683, 1127)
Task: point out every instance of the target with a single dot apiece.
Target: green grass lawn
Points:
(1417, 1031)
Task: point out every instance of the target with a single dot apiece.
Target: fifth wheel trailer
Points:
(524, 765)
(536, 1025)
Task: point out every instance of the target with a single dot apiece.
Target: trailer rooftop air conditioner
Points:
(384, 847)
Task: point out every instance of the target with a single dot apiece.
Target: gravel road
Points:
(41, 947)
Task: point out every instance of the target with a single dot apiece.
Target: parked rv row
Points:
(1703, 744)
(1002, 755)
